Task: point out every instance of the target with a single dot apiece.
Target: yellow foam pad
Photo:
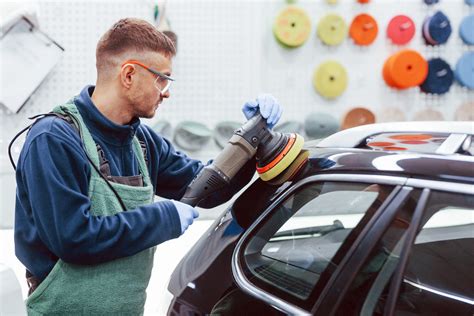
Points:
(292, 26)
(332, 29)
(292, 169)
(285, 161)
(330, 79)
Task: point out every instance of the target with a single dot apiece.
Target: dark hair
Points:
(132, 33)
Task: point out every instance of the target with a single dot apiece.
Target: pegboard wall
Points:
(228, 54)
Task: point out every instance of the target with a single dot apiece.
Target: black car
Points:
(380, 220)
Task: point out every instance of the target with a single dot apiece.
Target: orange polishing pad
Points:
(358, 116)
(405, 69)
(363, 29)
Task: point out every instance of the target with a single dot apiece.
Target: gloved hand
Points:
(186, 213)
(268, 106)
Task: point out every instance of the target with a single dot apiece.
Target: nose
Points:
(165, 95)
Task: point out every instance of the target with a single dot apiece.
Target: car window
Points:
(438, 278)
(368, 290)
(439, 275)
(295, 248)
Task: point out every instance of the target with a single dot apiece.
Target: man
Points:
(86, 224)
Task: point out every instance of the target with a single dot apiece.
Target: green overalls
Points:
(117, 287)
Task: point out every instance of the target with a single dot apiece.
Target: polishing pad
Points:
(465, 112)
(191, 135)
(292, 27)
(357, 117)
(363, 29)
(405, 69)
(466, 30)
(332, 29)
(401, 29)
(330, 79)
(428, 115)
(391, 114)
(437, 29)
(319, 125)
(283, 159)
(464, 71)
(292, 169)
(440, 77)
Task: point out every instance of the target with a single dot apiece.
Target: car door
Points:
(421, 263)
(428, 268)
(297, 245)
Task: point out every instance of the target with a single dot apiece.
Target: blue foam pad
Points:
(466, 30)
(438, 29)
(464, 71)
(440, 77)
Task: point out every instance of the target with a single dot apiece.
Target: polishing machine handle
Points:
(240, 148)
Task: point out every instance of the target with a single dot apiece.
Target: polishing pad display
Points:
(436, 29)
(292, 27)
(330, 79)
(282, 160)
(401, 29)
(319, 125)
(357, 117)
(391, 114)
(464, 71)
(465, 112)
(428, 115)
(440, 77)
(332, 29)
(363, 29)
(191, 135)
(405, 69)
(466, 30)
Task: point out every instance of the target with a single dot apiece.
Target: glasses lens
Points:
(162, 84)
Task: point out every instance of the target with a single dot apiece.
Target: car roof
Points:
(347, 151)
(458, 132)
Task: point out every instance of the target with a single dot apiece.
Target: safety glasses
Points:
(162, 81)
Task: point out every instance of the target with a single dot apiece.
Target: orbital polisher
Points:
(279, 156)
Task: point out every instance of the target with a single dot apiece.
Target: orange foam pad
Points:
(405, 69)
(363, 29)
(279, 157)
(356, 117)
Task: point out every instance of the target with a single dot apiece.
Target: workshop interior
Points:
(333, 65)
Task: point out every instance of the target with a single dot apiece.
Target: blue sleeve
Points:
(55, 174)
(172, 171)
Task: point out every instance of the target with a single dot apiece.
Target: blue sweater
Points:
(52, 218)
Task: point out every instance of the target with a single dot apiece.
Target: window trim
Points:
(412, 232)
(271, 299)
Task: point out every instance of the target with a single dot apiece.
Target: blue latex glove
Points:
(268, 106)
(186, 213)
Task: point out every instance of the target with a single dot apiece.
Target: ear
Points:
(127, 75)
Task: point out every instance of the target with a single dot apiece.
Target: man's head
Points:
(133, 60)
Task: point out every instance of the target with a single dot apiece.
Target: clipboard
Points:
(27, 55)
